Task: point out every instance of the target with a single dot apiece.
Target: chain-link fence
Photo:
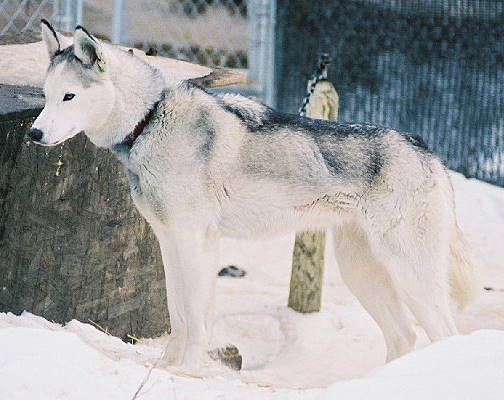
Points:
(434, 68)
(209, 32)
(18, 16)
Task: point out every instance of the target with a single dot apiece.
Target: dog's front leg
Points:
(190, 256)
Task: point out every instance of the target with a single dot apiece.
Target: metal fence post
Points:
(68, 15)
(262, 14)
(67, 19)
(253, 42)
(119, 21)
(56, 14)
(79, 12)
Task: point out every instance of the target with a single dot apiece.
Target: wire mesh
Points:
(429, 67)
(20, 16)
(209, 32)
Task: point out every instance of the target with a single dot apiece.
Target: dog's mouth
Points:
(66, 137)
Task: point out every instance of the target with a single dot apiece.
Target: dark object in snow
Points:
(489, 289)
(232, 271)
(229, 356)
(151, 52)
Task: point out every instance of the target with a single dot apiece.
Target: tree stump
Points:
(72, 244)
(305, 293)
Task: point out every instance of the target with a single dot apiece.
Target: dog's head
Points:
(79, 94)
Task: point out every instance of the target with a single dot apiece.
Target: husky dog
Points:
(202, 166)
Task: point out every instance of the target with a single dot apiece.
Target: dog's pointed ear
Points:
(88, 49)
(54, 41)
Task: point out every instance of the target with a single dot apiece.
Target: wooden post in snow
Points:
(308, 257)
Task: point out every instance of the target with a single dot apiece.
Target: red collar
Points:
(130, 140)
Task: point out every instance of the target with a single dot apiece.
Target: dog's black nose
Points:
(36, 134)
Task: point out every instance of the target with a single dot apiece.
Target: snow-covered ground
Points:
(335, 354)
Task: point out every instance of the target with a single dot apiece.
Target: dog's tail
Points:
(463, 272)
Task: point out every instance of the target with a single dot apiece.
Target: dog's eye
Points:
(68, 96)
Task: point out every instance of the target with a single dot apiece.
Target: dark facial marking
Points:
(61, 56)
(85, 74)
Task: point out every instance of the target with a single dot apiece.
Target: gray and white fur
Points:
(207, 166)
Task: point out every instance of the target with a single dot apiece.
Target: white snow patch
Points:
(55, 363)
(458, 368)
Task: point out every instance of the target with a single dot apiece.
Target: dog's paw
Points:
(174, 351)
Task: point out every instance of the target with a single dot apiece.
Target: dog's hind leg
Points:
(419, 263)
(424, 282)
(371, 283)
